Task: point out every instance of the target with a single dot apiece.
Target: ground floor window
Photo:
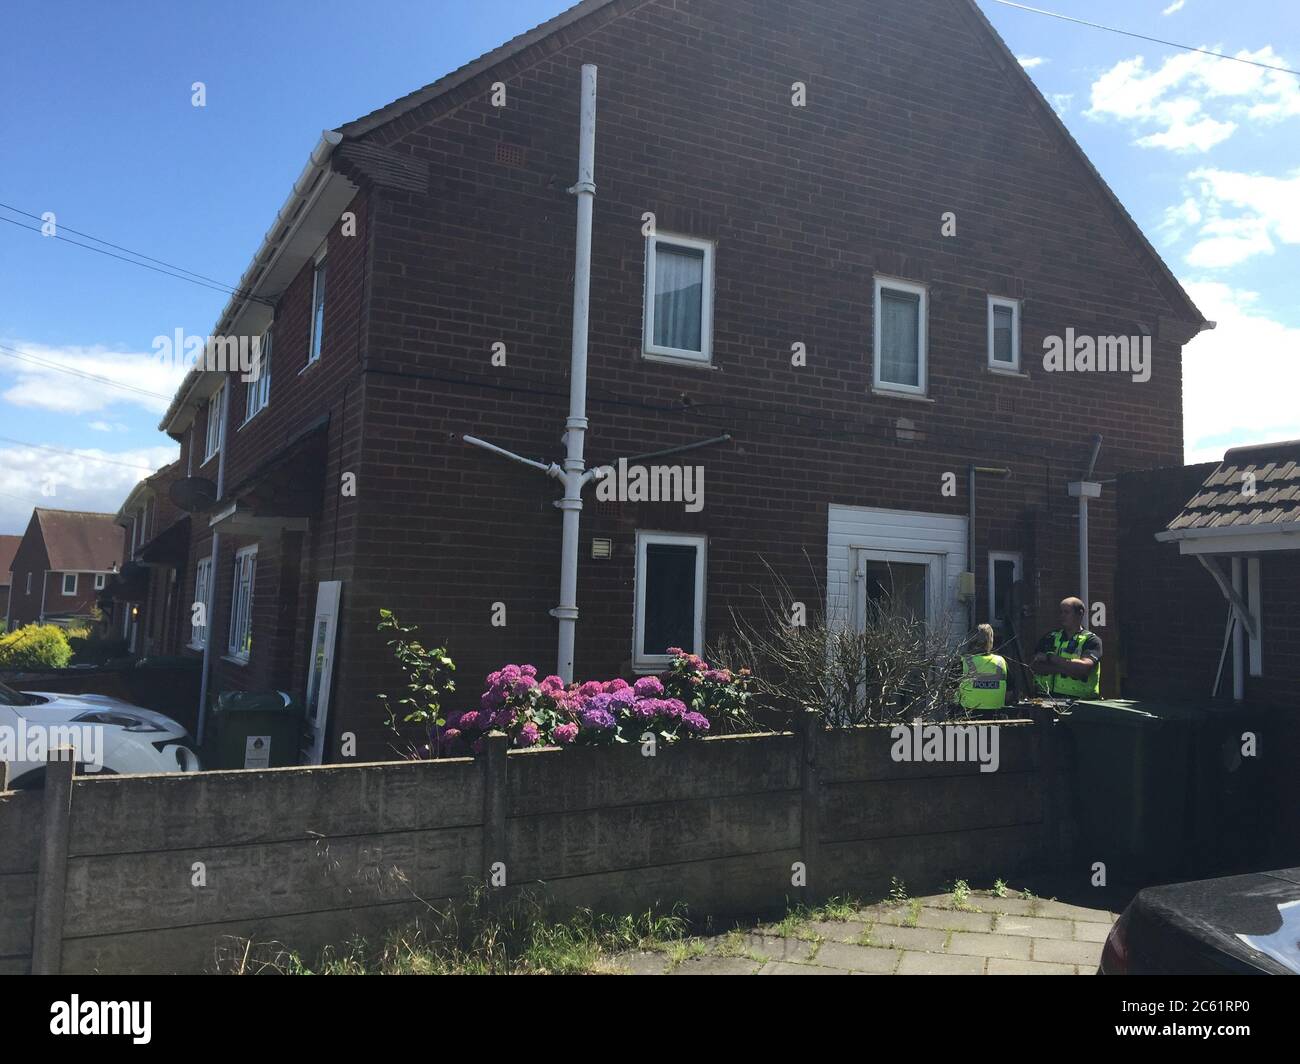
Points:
(69, 583)
(201, 605)
(241, 605)
(669, 596)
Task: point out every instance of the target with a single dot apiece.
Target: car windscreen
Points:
(10, 697)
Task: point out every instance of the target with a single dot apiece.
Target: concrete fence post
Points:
(495, 798)
(810, 729)
(52, 872)
(4, 775)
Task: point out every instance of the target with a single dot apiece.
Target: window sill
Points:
(234, 660)
(890, 393)
(998, 371)
(192, 646)
(248, 420)
(310, 363)
(209, 458)
(651, 668)
(679, 360)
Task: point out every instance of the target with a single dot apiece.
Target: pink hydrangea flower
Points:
(565, 733)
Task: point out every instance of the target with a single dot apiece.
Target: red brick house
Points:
(8, 546)
(147, 604)
(867, 223)
(63, 562)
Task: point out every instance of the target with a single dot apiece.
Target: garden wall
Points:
(171, 873)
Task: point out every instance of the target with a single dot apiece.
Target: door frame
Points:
(935, 578)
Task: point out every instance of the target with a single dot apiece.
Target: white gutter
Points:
(1176, 535)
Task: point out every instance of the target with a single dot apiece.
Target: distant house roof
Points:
(80, 542)
(1254, 490)
(8, 548)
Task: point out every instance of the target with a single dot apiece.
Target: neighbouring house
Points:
(1212, 590)
(8, 546)
(63, 562)
(145, 604)
(845, 287)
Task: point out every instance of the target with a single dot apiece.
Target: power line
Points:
(215, 286)
(75, 454)
(19, 356)
(1144, 37)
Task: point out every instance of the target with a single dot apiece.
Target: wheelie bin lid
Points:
(254, 702)
(1137, 713)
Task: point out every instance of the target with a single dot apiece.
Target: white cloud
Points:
(1193, 101)
(1177, 5)
(1061, 102)
(1030, 61)
(1236, 215)
(80, 480)
(1234, 376)
(47, 388)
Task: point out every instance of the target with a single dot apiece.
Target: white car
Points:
(109, 736)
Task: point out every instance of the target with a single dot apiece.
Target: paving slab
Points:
(1009, 906)
(716, 966)
(998, 966)
(775, 948)
(1050, 949)
(856, 958)
(1034, 927)
(786, 968)
(914, 963)
(1086, 931)
(922, 938)
(837, 930)
(976, 944)
(642, 962)
(955, 919)
(1065, 911)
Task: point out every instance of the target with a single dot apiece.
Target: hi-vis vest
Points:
(1067, 686)
(983, 682)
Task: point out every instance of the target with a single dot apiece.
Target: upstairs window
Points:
(215, 427)
(317, 310)
(257, 392)
(678, 313)
(1004, 334)
(100, 580)
(900, 340)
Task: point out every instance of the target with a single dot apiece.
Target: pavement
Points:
(979, 934)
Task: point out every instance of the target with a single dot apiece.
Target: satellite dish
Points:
(193, 494)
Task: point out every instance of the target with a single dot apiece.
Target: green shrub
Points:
(37, 646)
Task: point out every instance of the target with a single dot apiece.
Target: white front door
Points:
(911, 580)
(320, 669)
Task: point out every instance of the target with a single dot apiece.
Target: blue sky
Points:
(98, 127)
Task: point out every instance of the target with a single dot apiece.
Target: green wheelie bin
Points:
(254, 729)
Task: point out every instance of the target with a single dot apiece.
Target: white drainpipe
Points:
(211, 605)
(575, 427)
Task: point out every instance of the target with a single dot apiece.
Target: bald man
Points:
(1067, 661)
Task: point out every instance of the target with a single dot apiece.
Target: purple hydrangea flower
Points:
(718, 675)
(649, 687)
(695, 723)
(469, 720)
(673, 708)
(528, 734)
(565, 733)
(597, 719)
(590, 688)
(613, 686)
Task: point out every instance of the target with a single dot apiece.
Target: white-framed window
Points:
(317, 308)
(1004, 334)
(202, 595)
(240, 645)
(69, 583)
(216, 426)
(101, 580)
(1004, 572)
(678, 311)
(900, 336)
(257, 392)
(669, 596)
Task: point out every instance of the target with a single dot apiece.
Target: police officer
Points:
(1067, 661)
(983, 682)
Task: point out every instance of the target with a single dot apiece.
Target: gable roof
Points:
(1273, 504)
(1164, 279)
(76, 541)
(8, 548)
